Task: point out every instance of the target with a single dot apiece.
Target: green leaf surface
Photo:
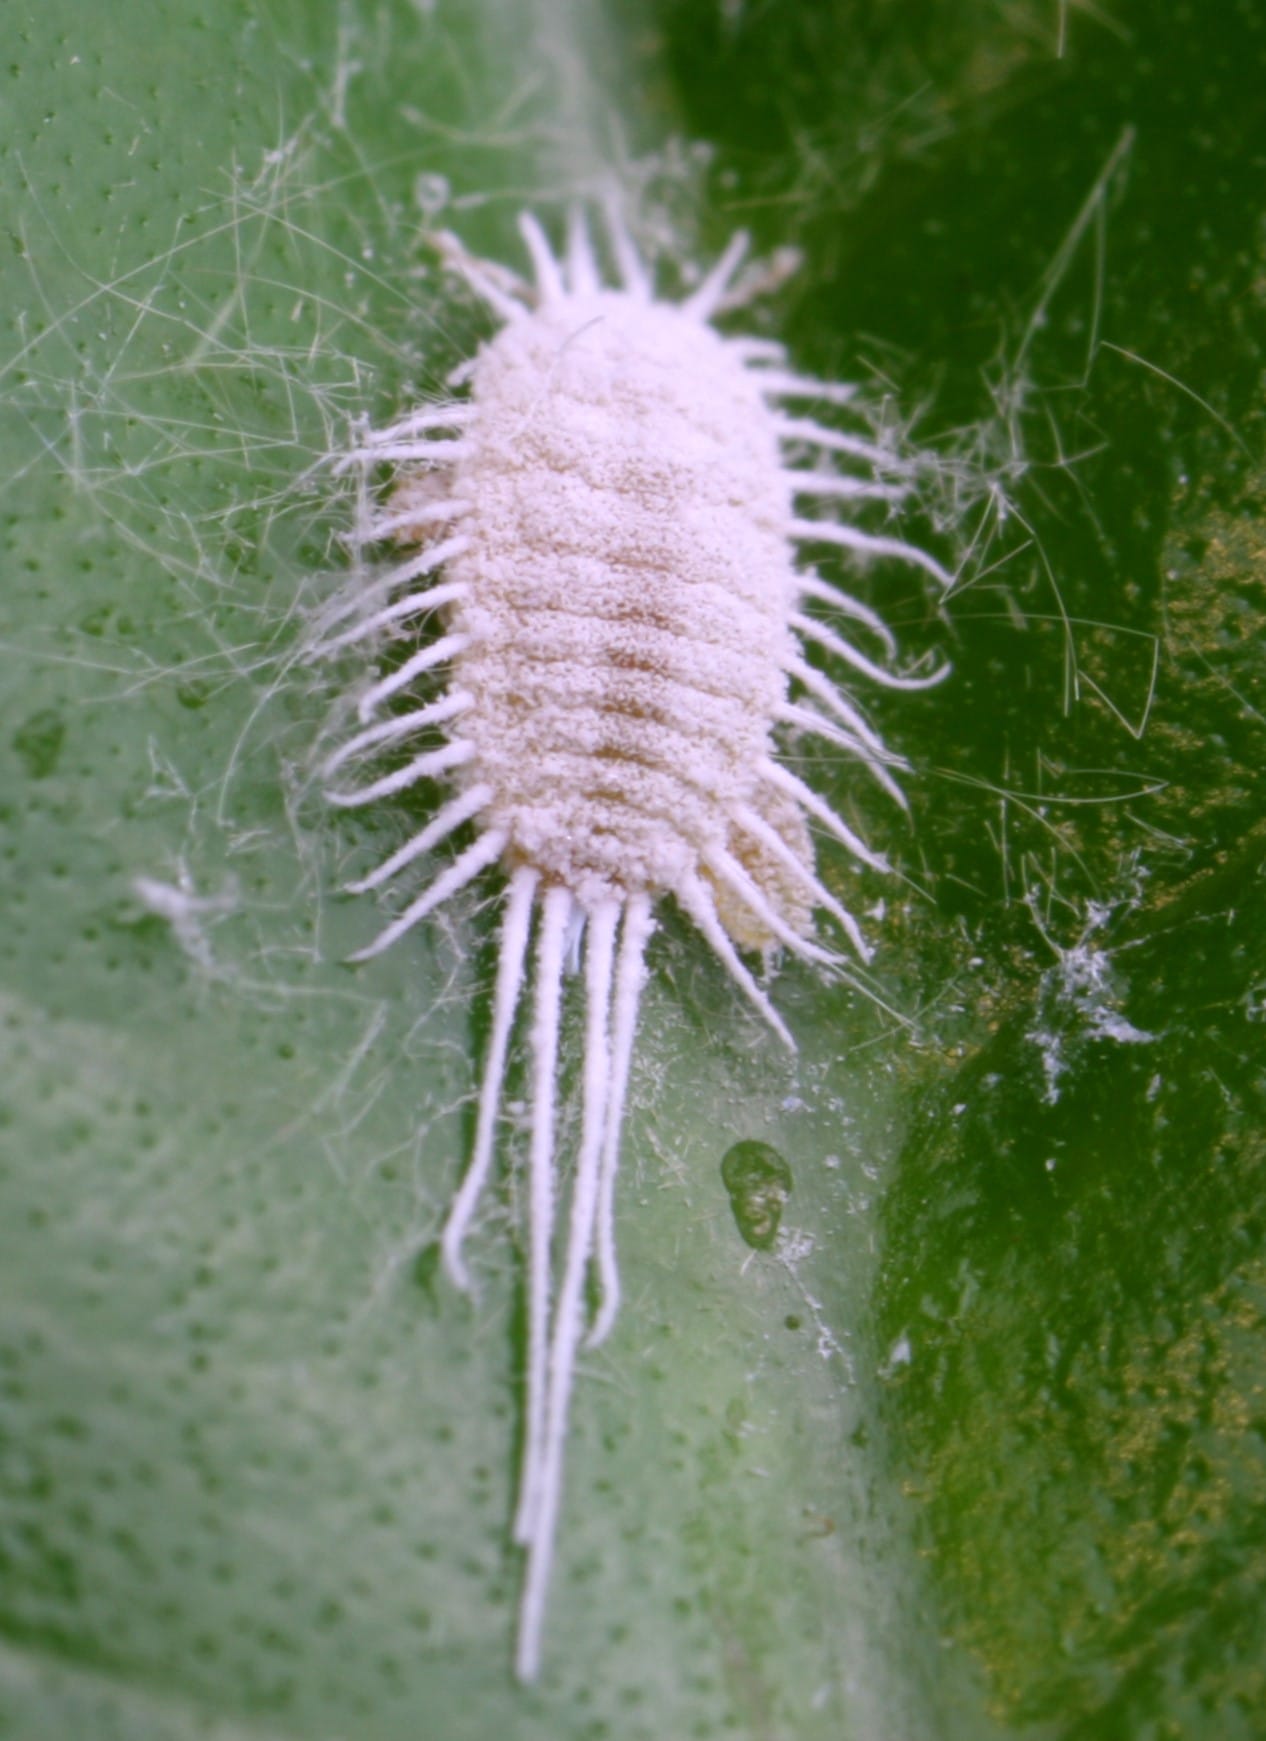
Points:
(975, 1447)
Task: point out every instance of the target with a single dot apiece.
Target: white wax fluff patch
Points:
(605, 535)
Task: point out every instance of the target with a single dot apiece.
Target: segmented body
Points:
(607, 532)
(627, 588)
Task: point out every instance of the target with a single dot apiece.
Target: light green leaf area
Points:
(976, 1445)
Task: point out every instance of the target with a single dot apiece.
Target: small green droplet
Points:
(759, 1183)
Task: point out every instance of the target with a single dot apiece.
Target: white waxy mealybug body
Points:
(606, 532)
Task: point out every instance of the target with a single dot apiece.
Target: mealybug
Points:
(605, 531)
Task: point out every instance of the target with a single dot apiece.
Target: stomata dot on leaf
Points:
(588, 631)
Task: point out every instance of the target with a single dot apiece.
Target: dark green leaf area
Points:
(1074, 1294)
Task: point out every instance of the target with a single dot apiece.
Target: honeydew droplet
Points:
(758, 1180)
